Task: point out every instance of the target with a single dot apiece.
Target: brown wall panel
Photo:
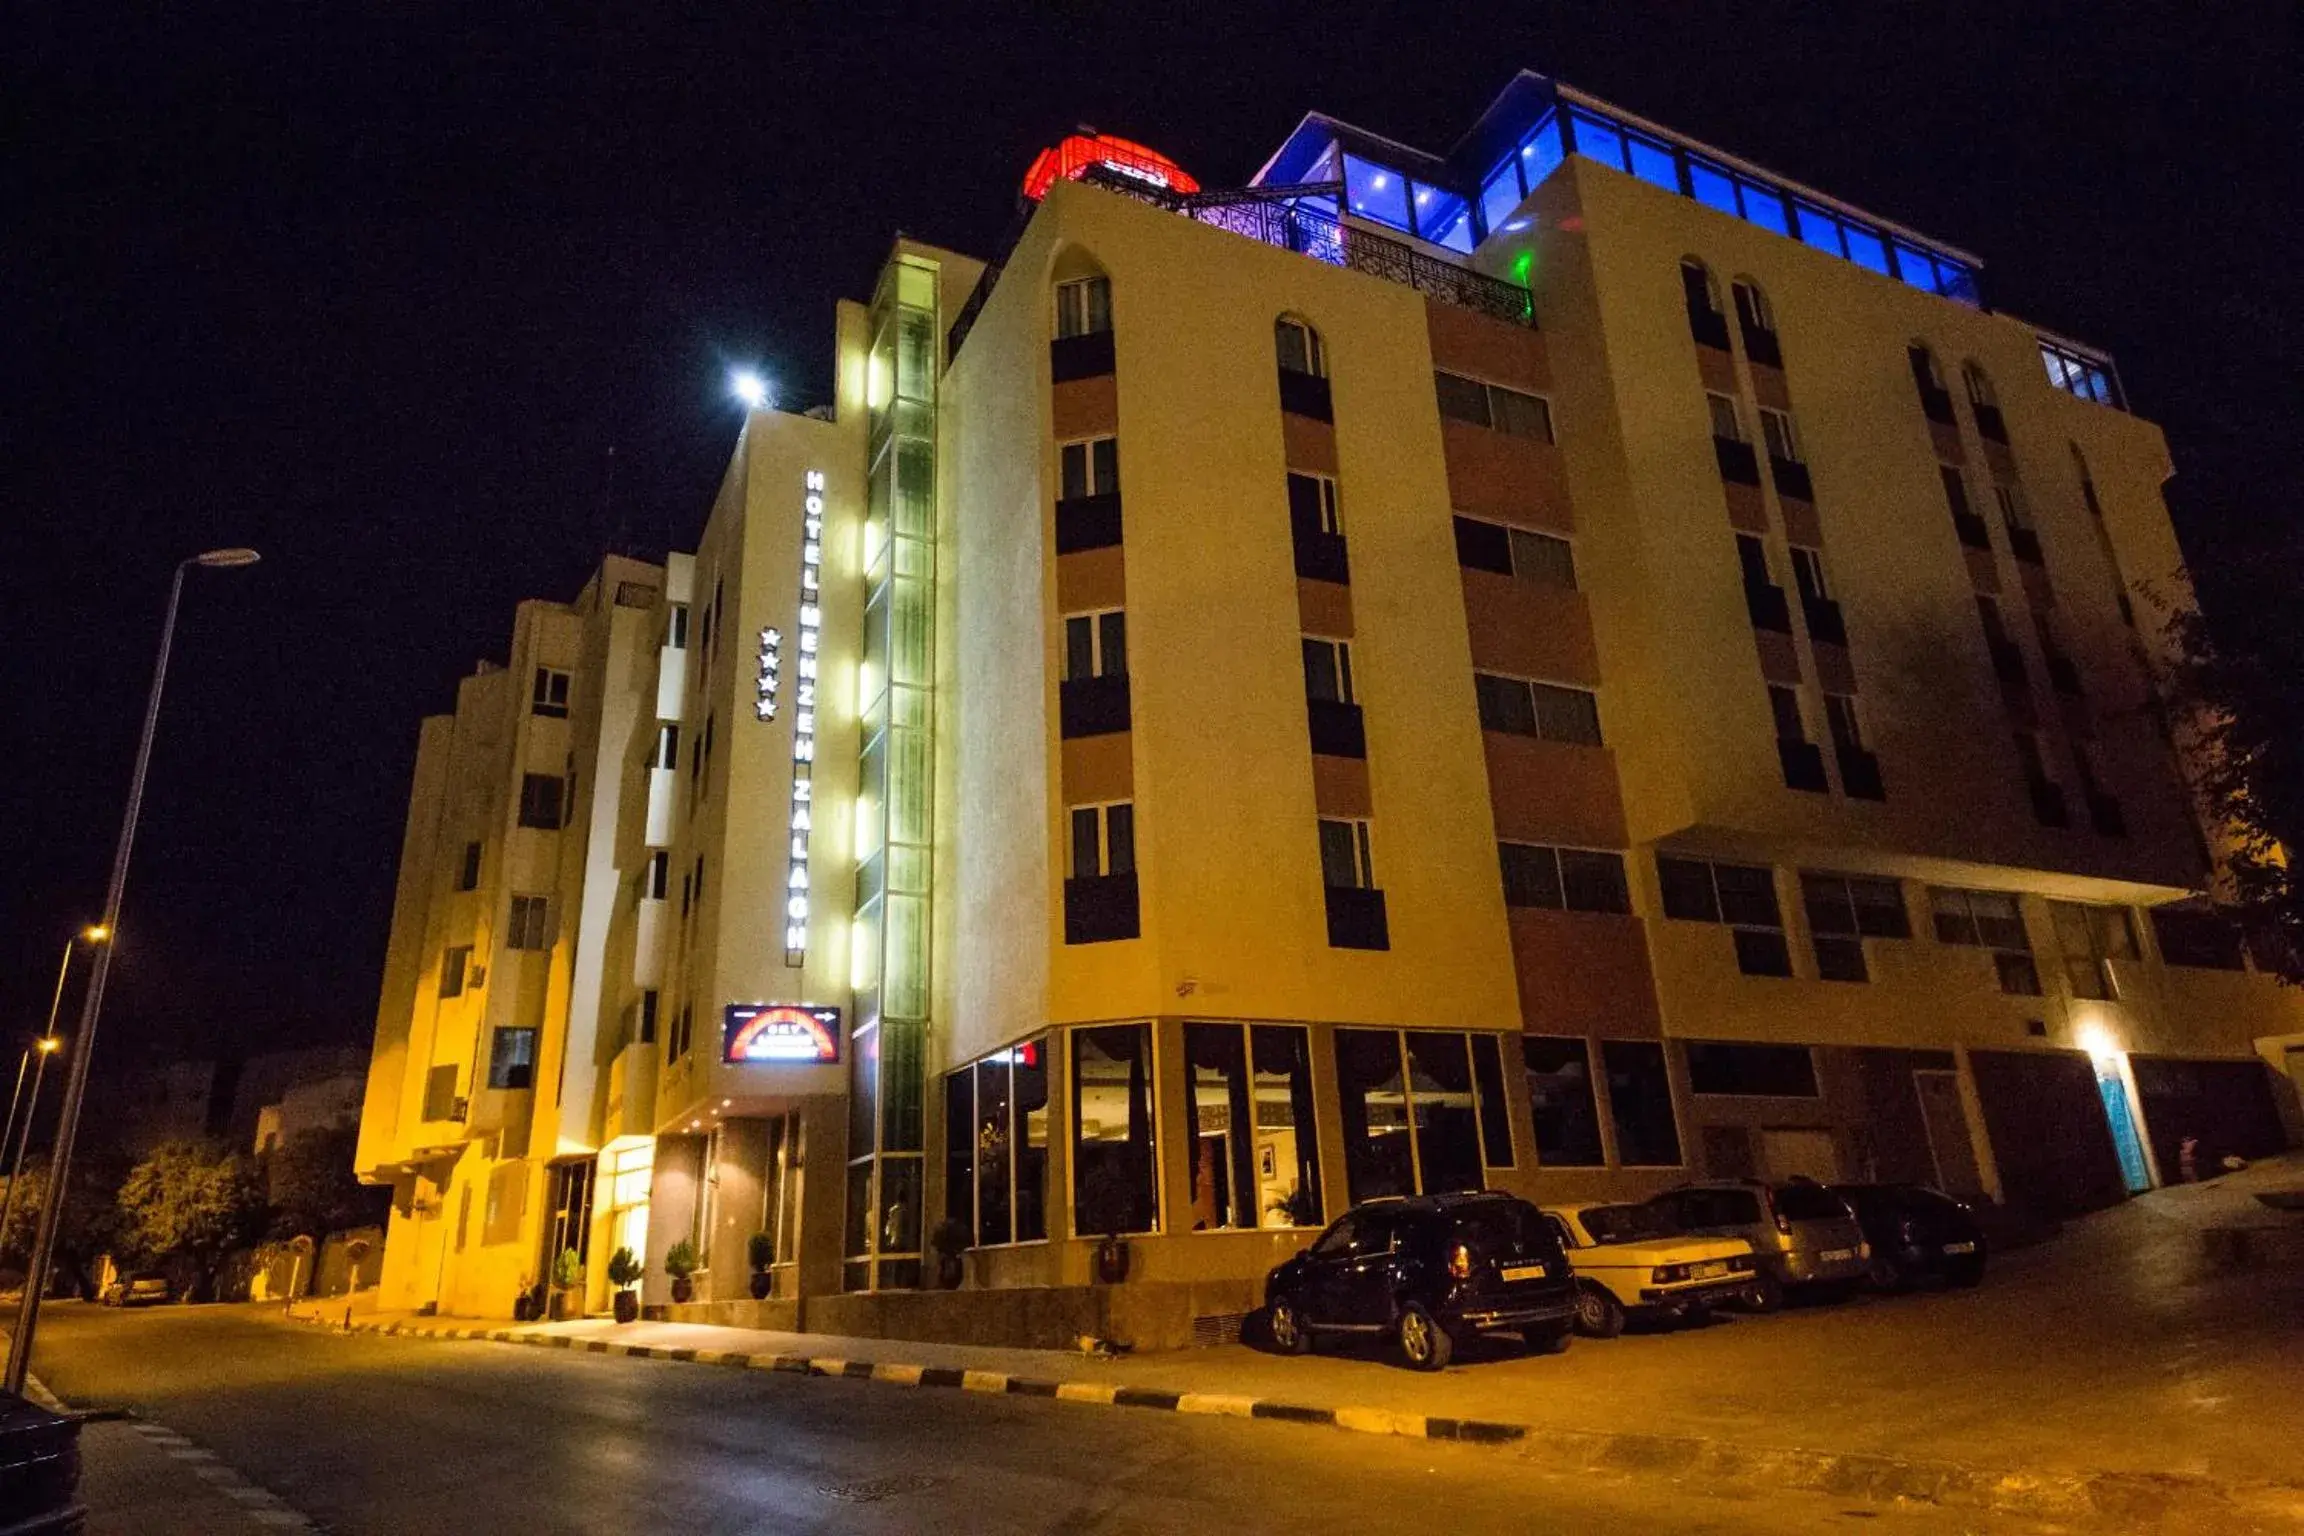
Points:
(1779, 657)
(1769, 389)
(2035, 579)
(1324, 608)
(1554, 792)
(1983, 570)
(1529, 630)
(1833, 672)
(1800, 522)
(1340, 786)
(1497, 350)
(1085, 407)
(1947, 440)
(1093, 578)
(1717, 369)
(1309, 445)
(1583, 973)
(1747, 508)
(1511, 479)
(1099, 768)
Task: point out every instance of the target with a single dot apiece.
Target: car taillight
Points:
(1783, 1223)
(1668, 1274)
(1460, 1262)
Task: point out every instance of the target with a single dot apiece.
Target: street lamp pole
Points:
(92, 1004)
(46, 1047)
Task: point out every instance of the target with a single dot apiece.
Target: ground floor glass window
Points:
(996, 1145)
(1256, 1156)
(1566, 1111)
(1413, 1122)
(1115, 1187)
(1640, 1104)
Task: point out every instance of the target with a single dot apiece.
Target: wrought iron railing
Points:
(1279, 216)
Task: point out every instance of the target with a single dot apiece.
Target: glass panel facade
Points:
(1640, 1104)
(1376, 192)
(1114, 1135)
(1712, 186)
(1560, 1094)
(1255, 1158)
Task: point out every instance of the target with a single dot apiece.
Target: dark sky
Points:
(378, 289)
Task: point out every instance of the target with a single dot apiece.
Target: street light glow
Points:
(49, 1044)
(227, 559)
(750, 388)
(96, 933)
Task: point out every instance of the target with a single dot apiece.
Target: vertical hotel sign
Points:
(805, 641)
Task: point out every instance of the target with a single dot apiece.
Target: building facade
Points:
(1566, 665)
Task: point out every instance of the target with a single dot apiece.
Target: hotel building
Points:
(1566, 665)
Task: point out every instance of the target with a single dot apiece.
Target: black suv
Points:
(1916, 1233)
(1429, 1270)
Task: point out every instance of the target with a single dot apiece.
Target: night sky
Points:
(430, 309)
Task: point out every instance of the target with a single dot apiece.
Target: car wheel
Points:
(1697, 1316)
(1598, 1314)
(1290, 1334)
(1423, 1342)
(1766, 1294)
(1885, 1273)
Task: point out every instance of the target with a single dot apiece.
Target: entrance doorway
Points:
(1949, 1144)
(2112, 1087)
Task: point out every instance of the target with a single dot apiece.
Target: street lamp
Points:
(750, 388)
(92, 1002)
(44, 1047)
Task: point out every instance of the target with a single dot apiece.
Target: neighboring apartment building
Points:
(1566, 665)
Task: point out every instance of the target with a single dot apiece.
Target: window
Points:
(1776, 429)
(1376, 192)
(1344, 857)
(1727, 426)
(1702, 295)
(2012, 511)
(1299, 348)
(1415, 1110)
(1256, 1156)
(676, 627)
(2090, 938)
(1091, 467)
(512, 1059)
(1753, 313)
(699, 880)
(453, 963)
(667, 753)
(1545, 710)
(1492, 405)
(1770, 1071)
(540, 796)
(1312, 503)
(1845, 910)
(1741, 896)
(1328, 670)
(1095, 645)
(1570, 879)
(2081, 376)
(1990, 920)
(2198, 935)
(550, 695)
(1640, 1104)
(468, 874)
(1840, 719)
(531, 923)
(1784, 705)
(1538, 558)
(1083, 307)
(1567, 1115)
(648, 1006)
(996, 1145)
(1114, 1133)
(656, 880)
(1103, 840)
(1956, 497)
(1808, 575)
(1979, 387)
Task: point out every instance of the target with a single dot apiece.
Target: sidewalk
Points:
(2110, 1371)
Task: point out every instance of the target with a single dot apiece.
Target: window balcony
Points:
(1092, 706)
(1087, 522)
(1305, 394)
(1860, 774)
(1768, 606)
(2024, 544)
(1337, 729)
(1320, 556)
(1990, 425)
(1761, 348)
(1803, 763)
(2048, 804)
(1739, 465)
(1356, 918)
(2105, 815)
(2064, 675)
(2007, 660)
(1100, 908)
(1971, 529)
(1080, 357)
(1936, 403)
(1825, 623)
(1791, 477)
(1708, 326)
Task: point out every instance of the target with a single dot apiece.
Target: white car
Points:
(1628, 1260)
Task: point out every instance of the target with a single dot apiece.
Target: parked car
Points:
(1631, 1259)
(1802, 1235)
(1431, 1271)
(39, 1471)
(138, 1290)
(1916, 1233)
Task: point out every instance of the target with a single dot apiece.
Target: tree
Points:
(87, 1227)
(313, 1188)
(2237, 686)
(191, 1199)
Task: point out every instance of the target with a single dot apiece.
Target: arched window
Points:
(1299, 347)
(1757, 320)
(1082, 297)
(1702, 291)
(1935, 399)
(1983, 403)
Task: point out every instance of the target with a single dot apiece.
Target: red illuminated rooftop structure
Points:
(1077, 154)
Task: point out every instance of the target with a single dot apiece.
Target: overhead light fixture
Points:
(750, 388)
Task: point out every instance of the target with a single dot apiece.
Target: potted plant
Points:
(567, 1275)
(760, 1250)
(528, 1303)
(680, 1262)
(625, 1272)
(951, 1240)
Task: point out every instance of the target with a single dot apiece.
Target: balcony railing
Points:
(2007, 660)
(1321, 557)
(1087, 356)
(1990, 425)
(1305, 394)
(1100, 908)
(1708, 326)
(1860, 774)
(1337, 729)
(2064, 675)
(1971, 529)
(2024, 544)
(1738, 463)
(1769, 608)
(1760, 347)
(1791, 477)
(1092, 706)
(1803, 763)
(1936, 403)
(1825, 623)
(1356, 918)
(2048, 804)
(1087, 522)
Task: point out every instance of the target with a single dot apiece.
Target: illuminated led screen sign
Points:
(1074, 157)
(786, 1033)
(809, 632)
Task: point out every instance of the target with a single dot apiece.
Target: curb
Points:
(2139, 1500)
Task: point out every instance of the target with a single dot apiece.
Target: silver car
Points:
(1802, 1234)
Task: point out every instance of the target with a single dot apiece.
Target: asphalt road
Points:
(377, 1435)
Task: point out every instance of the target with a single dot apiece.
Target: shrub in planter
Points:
(760, 1250)
(567, 1277)
(624, 1272)
(951, 1239)
(681, 1262)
